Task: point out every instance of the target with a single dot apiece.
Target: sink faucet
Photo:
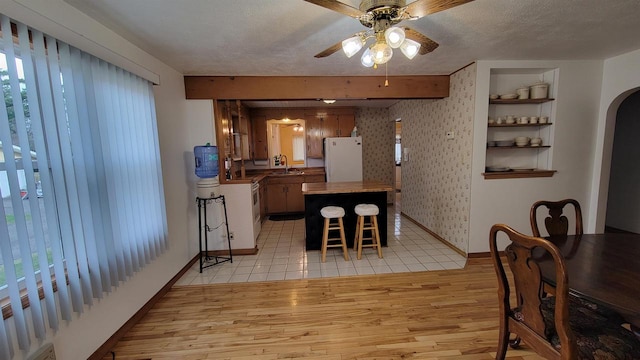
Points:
(286, 163)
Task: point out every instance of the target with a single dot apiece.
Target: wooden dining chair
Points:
(555, 327)
(556, 223)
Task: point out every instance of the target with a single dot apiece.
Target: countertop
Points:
(253, 176)
(344, 187)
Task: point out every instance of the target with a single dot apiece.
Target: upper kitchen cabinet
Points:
(314, 133)
(241, 127)
(260, 144)
(337, 125)
(521, 114)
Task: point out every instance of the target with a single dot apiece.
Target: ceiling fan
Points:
(381, 16)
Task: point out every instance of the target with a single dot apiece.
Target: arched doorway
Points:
(623, 200)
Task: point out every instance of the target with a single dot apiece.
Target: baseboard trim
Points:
(234, 252)
(440, 238)
(479, 255)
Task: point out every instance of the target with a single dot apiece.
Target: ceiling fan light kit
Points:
(380, 16)
(410, 48)
(367, 58)
(352, 45)
(394, 36)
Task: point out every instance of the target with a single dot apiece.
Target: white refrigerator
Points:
(343, 158)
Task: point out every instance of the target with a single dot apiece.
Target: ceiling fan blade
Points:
(420, 8)
(330, 50)
(426, 45)
(337, 6)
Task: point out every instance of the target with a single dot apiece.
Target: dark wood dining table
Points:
(604, 268)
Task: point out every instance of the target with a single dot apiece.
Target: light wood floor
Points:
(449, 314)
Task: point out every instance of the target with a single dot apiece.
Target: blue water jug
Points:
(206, 161)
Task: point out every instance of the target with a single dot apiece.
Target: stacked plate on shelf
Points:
(495, 168)
(504, 143)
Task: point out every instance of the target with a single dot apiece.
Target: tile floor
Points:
(282, 256)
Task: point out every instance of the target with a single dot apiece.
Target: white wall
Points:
(81, 337)
(200, 130)
(620, 78)
(575, 127)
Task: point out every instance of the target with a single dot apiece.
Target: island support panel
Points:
(314, 222)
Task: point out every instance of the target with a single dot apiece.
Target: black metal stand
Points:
(207, 260)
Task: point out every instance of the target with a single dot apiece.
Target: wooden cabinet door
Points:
(260, 144)
(295, 199)
(314, 137)
(276, 198)
(346, 124)
(330, 126)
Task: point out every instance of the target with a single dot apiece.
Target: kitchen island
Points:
(346, 195)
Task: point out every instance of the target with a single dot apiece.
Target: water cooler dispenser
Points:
(207, 170)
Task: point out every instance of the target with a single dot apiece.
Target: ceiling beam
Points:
(316, 87)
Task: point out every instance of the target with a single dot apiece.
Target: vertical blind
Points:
(80, 181)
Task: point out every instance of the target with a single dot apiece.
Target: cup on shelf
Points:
(523, 120)
(500, 121)
(533, 120)
(510, 119)
(544, 119)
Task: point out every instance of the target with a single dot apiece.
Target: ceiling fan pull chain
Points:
(386, 75)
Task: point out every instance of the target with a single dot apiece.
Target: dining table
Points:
(603, 268)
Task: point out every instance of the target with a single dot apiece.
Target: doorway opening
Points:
(623, 201)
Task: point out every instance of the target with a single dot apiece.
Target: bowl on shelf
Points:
(493, 96)
(536, 141)
(508, 96)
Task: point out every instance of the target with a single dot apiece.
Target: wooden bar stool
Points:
(330, 213)
(363, 211)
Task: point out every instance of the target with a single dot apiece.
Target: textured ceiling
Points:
(280, 37)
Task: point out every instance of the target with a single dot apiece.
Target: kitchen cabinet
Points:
(241, 128)
(284, 192)
(314, 133)
(259, 139)
(321, 125)
(503, 159)
(338, 125)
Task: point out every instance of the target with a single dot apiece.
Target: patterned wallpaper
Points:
(378, 145)
(436, 181)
